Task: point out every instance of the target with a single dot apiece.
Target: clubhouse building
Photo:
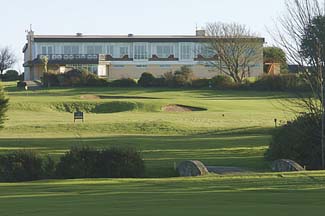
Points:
(125, 56)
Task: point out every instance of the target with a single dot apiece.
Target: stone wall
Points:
(192, 168)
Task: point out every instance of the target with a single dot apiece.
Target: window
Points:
(75, 49)
(124, 51)
(118, 66)
(94, 50)
(50, 50)
(164, 51)
(71, 49)
(165, 66)
(44, 50)
(205, 51)
(92, 68)
(98, 50)
(186, 51)
(140, 52)
(47, 50)
(110, 50)
(141, 66)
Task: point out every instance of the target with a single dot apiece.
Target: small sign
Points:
(78, 115)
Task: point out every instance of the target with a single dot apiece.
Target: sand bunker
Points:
(181, 108)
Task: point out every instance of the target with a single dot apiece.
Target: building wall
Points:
(134, 71)
(183, 52)
(200, 71)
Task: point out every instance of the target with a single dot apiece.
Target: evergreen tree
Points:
(3, 106)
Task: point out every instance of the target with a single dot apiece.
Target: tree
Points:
(235, 47)
(146, 80)
(313, 44)
(3, 106)
(7, 59)
(11, 75)
(290, 34)
(275, 55)
(300, 32)
(313, 49)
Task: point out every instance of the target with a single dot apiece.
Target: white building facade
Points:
(115, 57)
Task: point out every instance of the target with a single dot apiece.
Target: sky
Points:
(149, 17)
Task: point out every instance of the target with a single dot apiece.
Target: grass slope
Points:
(234, 131)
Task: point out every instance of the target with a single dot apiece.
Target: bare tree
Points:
(235, 49)
(295, 34)
(289, 34)
(7, 59)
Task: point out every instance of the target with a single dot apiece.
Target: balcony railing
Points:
(111, 58)
(56, 57)
(169, 58)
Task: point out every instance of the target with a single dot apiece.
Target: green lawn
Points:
(234, 131)
(258, 194)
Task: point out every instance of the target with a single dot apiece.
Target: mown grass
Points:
(254, 194)
(234, 131)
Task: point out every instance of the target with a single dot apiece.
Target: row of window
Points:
(89, 67)
(138, 51)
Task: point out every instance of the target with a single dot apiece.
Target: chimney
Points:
(200, 33)
(79, 34)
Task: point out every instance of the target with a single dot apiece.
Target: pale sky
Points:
(129, 16)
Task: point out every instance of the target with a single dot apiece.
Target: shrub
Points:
(11, 75)
(125, 82)
(201, 83)
(79, 162)
(120, 163)
(21, 84)
(283, 82)
(169, 79)
(21, 166)
(159, 82)
(22, 76)
(73, 78)
(146, 80)
(50, 79)
(183, 77)
(85, 162)
(222, 82)
(299, 140)
(48, 168)
(180, 78)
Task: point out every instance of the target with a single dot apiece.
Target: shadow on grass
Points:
(124, 93)
(237, 147)
(239, 131)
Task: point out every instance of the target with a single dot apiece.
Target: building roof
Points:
(126, 38)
